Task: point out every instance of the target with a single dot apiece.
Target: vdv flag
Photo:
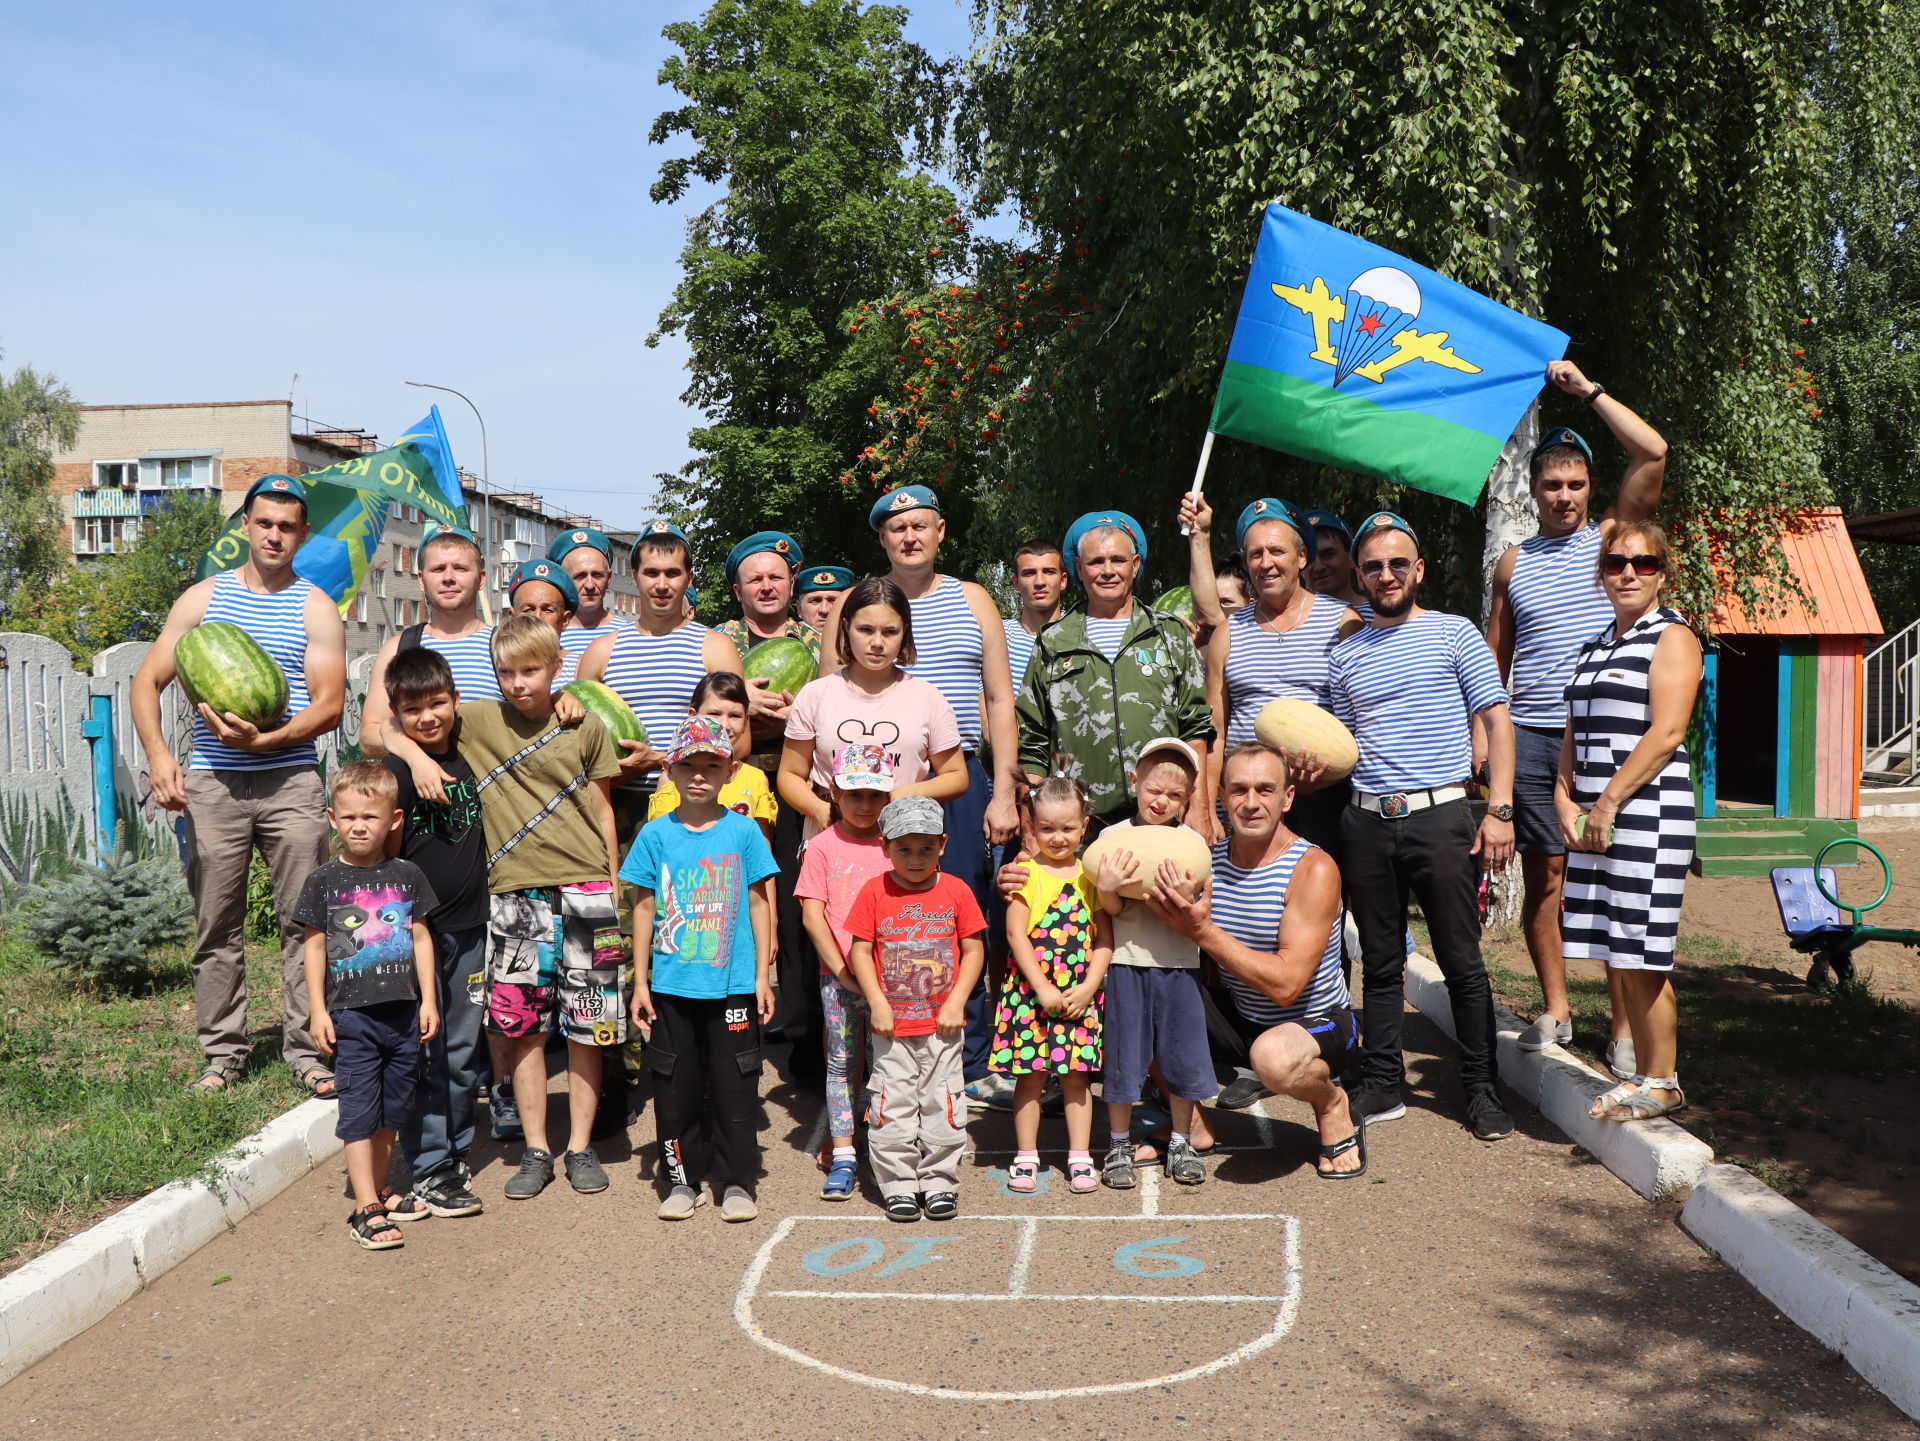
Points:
(1348, 354)
(347, 508)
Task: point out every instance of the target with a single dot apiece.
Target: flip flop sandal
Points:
(1357, 1141)
(1023, 1178)
(366, 1227)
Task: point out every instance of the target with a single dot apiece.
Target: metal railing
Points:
(1890, 707)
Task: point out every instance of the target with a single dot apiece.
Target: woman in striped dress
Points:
(1625, 801)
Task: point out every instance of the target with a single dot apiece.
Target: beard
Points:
(1396, 608)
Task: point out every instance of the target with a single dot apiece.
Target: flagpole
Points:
(486, 492)
(1200, 475)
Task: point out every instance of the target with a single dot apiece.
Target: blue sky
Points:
(203, 200)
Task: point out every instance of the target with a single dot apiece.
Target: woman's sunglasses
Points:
(1642, 564)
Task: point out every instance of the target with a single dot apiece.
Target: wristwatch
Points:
(1500, 813)
(1597, 391)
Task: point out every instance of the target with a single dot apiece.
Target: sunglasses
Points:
(1642, 564)
(1399, 565)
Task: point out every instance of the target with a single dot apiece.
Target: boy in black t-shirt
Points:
(447, 843)
(370, 985)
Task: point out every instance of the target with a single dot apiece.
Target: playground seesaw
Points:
(1810, 907)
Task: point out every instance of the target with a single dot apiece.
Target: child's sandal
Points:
(368, 1226)
(1082, 1177)
(1023, 1178)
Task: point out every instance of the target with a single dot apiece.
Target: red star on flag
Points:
(1370, 323)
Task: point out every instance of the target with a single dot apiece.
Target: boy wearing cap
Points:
(1547, 603)
(703, 986)
(586, 555)
(837, 863)
(818, 589)
(917, 954)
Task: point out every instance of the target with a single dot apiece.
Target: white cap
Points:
(1167, 743)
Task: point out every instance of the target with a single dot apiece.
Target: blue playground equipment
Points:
(1810, 907)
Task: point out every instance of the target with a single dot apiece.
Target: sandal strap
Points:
(1335, 1150)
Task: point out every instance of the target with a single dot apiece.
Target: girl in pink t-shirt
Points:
(871, 701)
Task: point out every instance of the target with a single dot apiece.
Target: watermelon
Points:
(615, 714)
(221, 665)
(1179, 601)
(1151, 845)
(1297, 726)
(786, 664)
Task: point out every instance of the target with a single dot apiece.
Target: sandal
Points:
(312, 1080)
(1648, 1101)
(904, 1209)
(402, 1206)
(1082, 1177)
(1604, 1106)
(1357, 1141)
(369, 1225)
(1023, 1177)
(212, 1081)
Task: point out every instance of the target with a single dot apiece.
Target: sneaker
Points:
(1377, 1102)
(1237, 1095)
(445, 1194)
(585, 1173)
(1487, 1116)
(991, 1093)
(681, 1203)
(407, 1208)
(533, 1177)
(1544, 1032)
(1620, 1060)
(902, 1209)
(1183, 1163)
(737, 1205)
(841, 1176)
(1117, 1170)
(505, 1114)
(940, 1205)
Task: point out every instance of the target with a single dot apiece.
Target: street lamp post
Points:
(486, 480)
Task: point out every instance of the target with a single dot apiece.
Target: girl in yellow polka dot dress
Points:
(1048, 1022)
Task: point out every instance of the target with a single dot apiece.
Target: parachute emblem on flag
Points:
(1368, 332)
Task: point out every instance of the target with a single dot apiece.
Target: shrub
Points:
(105, 924)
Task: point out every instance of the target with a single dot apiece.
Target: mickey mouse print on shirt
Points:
(910, 721)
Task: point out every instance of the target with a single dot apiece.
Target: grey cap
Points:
(912, 816)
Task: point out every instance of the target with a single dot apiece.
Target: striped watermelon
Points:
(1179, 601)
(220, 664)
(615, 714)
(786, 664)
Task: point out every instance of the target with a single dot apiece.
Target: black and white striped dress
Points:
(1623, 904)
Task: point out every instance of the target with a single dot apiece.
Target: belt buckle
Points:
(1395, 807)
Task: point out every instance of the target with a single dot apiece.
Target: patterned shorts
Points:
(554, 960)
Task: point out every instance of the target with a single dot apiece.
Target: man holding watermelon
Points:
(267, 682)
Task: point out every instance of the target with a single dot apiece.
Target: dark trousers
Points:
(441, 1132)
(1427, 854)
(796, 969)
(705, 1060)
(968, 858)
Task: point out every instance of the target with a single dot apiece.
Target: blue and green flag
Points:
(1348, 354)
(347, 508)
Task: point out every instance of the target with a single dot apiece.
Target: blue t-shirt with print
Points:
(702, 932)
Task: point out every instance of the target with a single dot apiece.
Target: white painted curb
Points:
(55, 1297)
(1822, 1282)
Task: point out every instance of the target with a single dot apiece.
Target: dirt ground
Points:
(1460, 1290)
(1846, 1147)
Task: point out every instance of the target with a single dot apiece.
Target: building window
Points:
(104, 534)
(180, 472)
(124, 474)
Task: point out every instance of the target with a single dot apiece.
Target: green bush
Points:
(104, 924)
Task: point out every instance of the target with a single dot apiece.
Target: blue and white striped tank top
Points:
(1557, 605)
(575, 639)
(1248, 906)
(1263, 666)
(1406, 692)
(655, 675)
(952, 653)
(1105, 635)
(279, 623)
(1019, 651)
(470, 657)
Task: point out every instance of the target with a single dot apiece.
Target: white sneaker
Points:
(1545, 1032)
(680, 1203)
(1620, 1060)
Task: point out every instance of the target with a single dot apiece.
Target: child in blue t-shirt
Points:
(703, 957)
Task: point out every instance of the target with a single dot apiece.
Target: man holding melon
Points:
(263, 654)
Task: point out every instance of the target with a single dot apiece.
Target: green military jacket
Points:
(736, 631)
(1083, 716)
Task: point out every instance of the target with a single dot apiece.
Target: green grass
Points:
(93, 1110)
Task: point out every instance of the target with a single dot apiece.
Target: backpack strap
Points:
(410, 638)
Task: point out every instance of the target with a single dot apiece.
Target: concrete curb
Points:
(1822, 1282)
(55, 1297)
(1657, 1158)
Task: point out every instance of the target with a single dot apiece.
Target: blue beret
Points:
(777, 541)
(823, 577)
(897, 502)
(550, 572)
(1096, 520)
(284, 486)
(653, 530)
(433, 531)
(1378, 521)
(568, 541)
(1561, 435)
(1267, 508)
(1327, 520)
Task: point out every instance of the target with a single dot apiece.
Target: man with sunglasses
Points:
(1546, 605)
(1410, 685)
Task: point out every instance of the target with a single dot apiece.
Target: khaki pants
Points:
(916, 1114)
(283, 812)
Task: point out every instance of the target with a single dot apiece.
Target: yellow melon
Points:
(1151, 845)
(1297, 727)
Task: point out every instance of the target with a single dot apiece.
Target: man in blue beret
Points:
(586, 555)
(819, 588)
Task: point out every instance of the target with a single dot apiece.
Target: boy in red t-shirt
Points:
(917, 954)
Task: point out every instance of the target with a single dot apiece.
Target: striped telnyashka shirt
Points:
(279, 623)
(656, 675)
(1247, 905)
(1557, 604)
(1262, 666)
(1407, 693)
(952, 653)
(470, 657)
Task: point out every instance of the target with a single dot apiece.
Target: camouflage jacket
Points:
(736, 631)
(1083, 716)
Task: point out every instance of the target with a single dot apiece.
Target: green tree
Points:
(806, 115)
(37, 417)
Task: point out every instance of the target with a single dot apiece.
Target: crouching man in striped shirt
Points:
(1270, 918)
(1408, 686)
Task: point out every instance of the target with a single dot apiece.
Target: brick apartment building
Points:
(131, 459)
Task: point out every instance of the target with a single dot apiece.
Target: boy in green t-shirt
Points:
(554, 948)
